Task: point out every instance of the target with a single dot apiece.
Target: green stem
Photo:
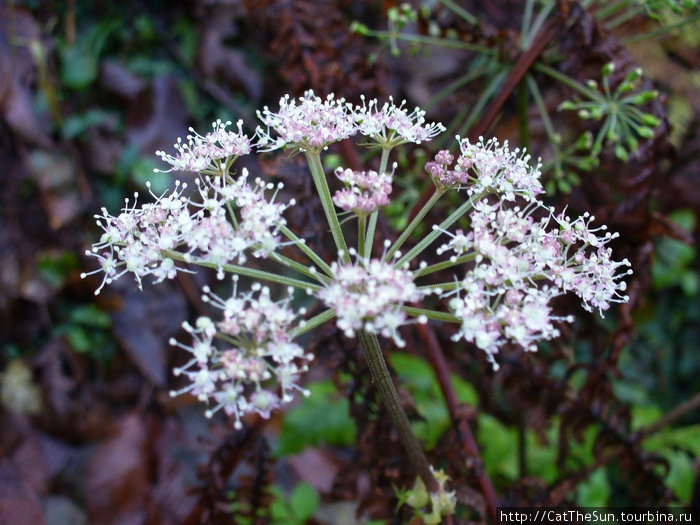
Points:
(611, 9)
(312, 323)
(435, 41)
(460, 11)
(442, 286)
(414, 223)
(430, 238)
(301, 268)
(390, 398)
(523, 120)
(301, 244)
(443, 265)
(319, 177)
(242, 270)
(432, 314)
(661, 30)
(361, 233)
(369, 242)
(568, 81)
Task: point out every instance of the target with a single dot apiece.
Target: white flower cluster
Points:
(312, 123)
(147, 240)
(257, 367)
(521, 264)
(370, 295)
(364, 192)
(517, 262)
(393, 125)
(494, 167)
(201, 153)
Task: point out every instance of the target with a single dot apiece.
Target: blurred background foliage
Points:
(607, 415)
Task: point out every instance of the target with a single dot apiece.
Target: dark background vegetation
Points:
(606, 415)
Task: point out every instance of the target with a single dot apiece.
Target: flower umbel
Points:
(364, 192)
(508, 258)
(257, 367)
(204, 153)
(307, 124)
(393, 125)
(370, 295)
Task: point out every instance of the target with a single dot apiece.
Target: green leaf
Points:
(76, 125)
(595, 491)
(90, 315)
(680, 475)
(55, 267)
(304, 500)
(500, 444)
(321, 418)
(419, 379)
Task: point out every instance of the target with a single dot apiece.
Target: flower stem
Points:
(443, 265)
(390, 398)
(242, 270)
(298, 267)
(415, 222)
(369, 242)
(361, 233)
(430, 238)
(312, 323)
(432, 314)
(301, 244)
(319, 177)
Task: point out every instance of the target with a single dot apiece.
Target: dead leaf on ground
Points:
(145, 322)
(19, 31)
(19, 504)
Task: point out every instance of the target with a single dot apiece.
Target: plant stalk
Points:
(390, 398)
(319, 177)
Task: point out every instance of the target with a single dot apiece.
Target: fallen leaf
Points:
(144, 324)
(19, 31)
(117, 475)
(19, 504)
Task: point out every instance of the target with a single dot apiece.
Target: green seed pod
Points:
(621, 153)
(567, 105)
(645, 132)
(650, 120)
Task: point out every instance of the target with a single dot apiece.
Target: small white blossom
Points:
(392, 125)
(370, 295)
(490, 166)
(145, 240)
(258, 367)
(522, 263)
(308, 123)
(364, 192)
(200, 153)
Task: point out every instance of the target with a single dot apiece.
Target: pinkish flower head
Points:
(364, 192)
(490, 166)
(145, 240)
(370, 295)
(308, 123)
(202, 153)
(258, 368)
(442, 174)
(521, 264)
(392, 125)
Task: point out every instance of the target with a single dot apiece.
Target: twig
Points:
(679, 411)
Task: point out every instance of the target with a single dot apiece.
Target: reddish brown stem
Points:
(464, 432)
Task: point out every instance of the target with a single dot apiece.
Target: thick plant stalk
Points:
(390, 398)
